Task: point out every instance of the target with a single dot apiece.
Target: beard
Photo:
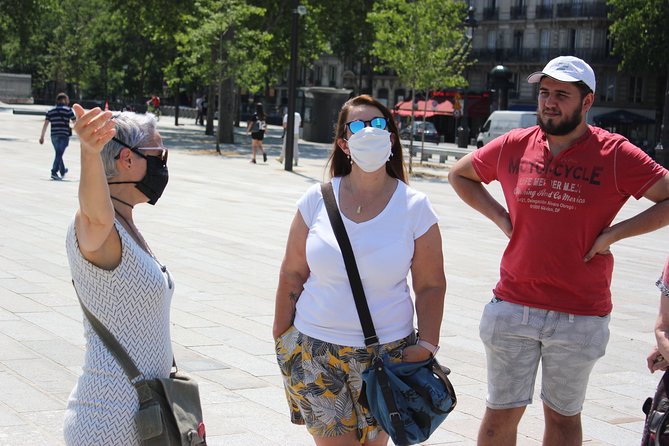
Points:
(553, 127)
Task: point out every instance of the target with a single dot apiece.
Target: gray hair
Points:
(134, 129)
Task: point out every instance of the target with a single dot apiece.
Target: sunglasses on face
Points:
(162, 155)
(357, 125)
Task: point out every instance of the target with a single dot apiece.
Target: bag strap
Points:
(349, 261)
(135, 377)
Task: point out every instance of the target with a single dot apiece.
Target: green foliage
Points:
(277, 21)
(639, 33)
(422, 41)
(219, 43)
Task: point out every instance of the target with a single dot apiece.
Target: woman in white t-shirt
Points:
(393, 230)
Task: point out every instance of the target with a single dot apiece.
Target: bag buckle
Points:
(395, 417)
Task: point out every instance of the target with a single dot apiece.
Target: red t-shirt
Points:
(558, 205)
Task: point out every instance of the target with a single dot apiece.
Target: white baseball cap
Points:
(566, 69)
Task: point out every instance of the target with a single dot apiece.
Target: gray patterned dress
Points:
(133, 302)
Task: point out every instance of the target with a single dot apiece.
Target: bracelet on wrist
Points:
(433, 349)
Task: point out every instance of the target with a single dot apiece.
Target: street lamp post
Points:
(292, 81)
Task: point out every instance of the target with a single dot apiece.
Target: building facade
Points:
(521, 36)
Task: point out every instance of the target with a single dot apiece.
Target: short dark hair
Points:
(583, 89)
(62, 97)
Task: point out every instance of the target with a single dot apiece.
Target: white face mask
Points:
(370, 148)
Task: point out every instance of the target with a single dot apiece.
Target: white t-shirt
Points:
(298, 122)
(383, 248)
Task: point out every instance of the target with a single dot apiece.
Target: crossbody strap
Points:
(349, 261)
(135, 377)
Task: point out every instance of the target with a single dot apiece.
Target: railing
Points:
(594, 9)
(518, 12)
(490, 13)
(543, 12)
(541, 55)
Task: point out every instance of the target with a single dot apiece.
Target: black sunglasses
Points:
(357, 125)
(138, 150)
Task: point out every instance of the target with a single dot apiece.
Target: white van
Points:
(501, 121)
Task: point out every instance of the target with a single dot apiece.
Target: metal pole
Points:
(292, 81)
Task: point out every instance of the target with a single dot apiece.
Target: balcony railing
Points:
(594, 9)
(518, 12)
(544, 12)
(542, 55)
(490, 13)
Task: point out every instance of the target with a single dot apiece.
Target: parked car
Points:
(501, 121)
(420, 127)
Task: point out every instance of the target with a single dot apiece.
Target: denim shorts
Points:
(517, 338)
(323, 383)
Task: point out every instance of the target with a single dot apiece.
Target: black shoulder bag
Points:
(655, 430)
(169, 412)
(409, 399)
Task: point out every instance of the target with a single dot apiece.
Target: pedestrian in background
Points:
(199, 119)
(393, 229)
(256, 127)
(115, 273)
(564, 181)
(296, 137)
(59, 117)
(153, 106)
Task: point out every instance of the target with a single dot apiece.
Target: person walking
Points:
(115, 273)
(199, 119)
(296, 138)
(59, 117)
(256, 127)
(393, 229)
(153, 105)
(564, 181)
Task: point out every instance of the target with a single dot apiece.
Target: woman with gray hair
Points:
(117, 277)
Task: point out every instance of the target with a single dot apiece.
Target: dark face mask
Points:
(154, 182)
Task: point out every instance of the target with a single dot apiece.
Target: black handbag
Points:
(655, 430)
(170, 413)
(409, 400)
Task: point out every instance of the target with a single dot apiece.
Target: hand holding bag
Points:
(409, 399)
(170, 413)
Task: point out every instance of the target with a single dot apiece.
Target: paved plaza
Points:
(221, 228)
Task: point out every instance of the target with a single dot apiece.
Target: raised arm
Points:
(429, 285)
(292, 276)
(468, 186)
(95, 217)
(655, 217)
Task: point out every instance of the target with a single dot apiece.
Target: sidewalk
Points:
(221, 228)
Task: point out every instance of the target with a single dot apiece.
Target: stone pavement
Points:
(221, 227)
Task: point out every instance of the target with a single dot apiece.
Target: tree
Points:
(221, 47)
(351, 43)
(640, 37)
(423, 42)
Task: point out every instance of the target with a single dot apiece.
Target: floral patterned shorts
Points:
(323, 382)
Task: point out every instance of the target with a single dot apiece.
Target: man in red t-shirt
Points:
(564, 182)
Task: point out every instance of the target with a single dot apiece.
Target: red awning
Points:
(422, 109)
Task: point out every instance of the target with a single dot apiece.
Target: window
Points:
(492, 40)
(609, 90)
(518, 42)
(382, 96)
(333, 75)
(318, 75)
(636, 89)
(571, 43)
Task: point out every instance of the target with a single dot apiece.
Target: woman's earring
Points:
(349, 159)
